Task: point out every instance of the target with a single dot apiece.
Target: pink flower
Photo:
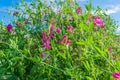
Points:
(43, 35)
(109, 48)
(116, 75)
(51, 35)
(64, 37)
(64, 40)
(50, 30)
(9, 27)
(68, 42)
(59, 41)
(58, 30)
(51, 27)
(98, 21)
(78, 11)
(47, 44)
(45, 40)
(70, 28)
(118, 39)
(43, 54)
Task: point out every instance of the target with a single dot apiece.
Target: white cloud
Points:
(113, 9)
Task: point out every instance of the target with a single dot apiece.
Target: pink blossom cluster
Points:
(46, 41)
(65, 40)
(78, 11)
(116, 75)
(51, 30)
(98, 21)
(58, 30)
(9, 28)
(70, 28)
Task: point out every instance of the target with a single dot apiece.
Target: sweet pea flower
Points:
(70, 28)
(64, 37)
(47, 44)
(9, 28)
(58, 30)
(116, 75)
(68, 42)
(45, 40)
(109, 48)
(50, 30)
(98, 21)
(43, 54)
(43, 35)
(64, 40)
(78, 11)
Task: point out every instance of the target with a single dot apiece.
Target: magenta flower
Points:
(58, 30)
(70, 28)
(68, 42)
(59, 41)
(45, 40)
(98, 21)
(116, 75)
(64, 37)
(47, 44)
(51, 30)
(109, 48)
(64, 40)
(51, 27)
(51, 35)
(9, 27)
(43, 54)
(78, 11)
(43, 35)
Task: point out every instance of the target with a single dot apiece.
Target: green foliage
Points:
(85, 57)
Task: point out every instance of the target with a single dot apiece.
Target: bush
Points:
(60, 41)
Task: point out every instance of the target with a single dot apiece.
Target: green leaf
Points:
(80, 43)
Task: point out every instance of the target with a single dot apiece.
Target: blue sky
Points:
(113, 7)
(8, 4)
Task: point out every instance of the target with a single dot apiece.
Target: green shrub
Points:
(60, 41)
